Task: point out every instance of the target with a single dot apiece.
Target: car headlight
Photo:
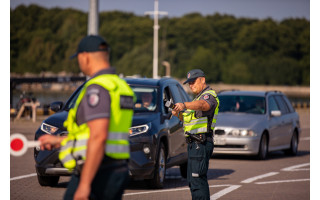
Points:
(242, 133)
(136, 130)
(48, 128)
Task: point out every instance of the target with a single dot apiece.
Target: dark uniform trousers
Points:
(199, 155)
(109, 183)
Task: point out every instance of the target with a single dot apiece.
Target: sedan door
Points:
(286, 122)
(274, 124)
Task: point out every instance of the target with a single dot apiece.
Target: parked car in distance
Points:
(156, 138)
(255, 123)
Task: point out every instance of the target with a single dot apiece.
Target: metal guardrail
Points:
(300, 104)
(16, 81)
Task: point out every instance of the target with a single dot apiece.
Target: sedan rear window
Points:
(242, 104)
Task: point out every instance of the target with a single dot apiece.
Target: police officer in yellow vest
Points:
(199, 118)
(97, 146)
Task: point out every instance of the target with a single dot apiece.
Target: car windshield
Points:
(146, 99)
(72, 100)
(242, 104)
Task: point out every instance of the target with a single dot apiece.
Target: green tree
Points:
(229, 49)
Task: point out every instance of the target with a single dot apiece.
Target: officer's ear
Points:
(203, 80)
(83, 57)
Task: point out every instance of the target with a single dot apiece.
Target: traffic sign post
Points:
(19, 144)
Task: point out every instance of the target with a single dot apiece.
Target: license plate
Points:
(219, 141)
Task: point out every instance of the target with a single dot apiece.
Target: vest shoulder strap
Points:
(212, 92)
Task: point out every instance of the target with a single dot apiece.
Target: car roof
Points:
(248, 93)
(149, 81)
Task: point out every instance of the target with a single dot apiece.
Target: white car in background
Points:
(255, 123)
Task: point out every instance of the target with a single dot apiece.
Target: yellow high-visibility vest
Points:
(117, 144)
(195, 125)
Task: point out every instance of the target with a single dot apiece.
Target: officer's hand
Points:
(179, 107)
(49, 142)
(175, 113)
(82, 193)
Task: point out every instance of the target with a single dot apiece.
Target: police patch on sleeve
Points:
(93, 99)
(206, 97)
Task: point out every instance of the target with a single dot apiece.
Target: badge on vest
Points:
(206, 97)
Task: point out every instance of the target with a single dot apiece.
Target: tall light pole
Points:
(167, 66)
(156, 27)
(93, 18)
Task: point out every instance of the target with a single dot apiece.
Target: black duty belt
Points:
(199, 138)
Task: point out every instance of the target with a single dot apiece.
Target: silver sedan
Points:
(255, 123)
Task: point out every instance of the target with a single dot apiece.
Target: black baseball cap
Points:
(91, 43)
(193, 75)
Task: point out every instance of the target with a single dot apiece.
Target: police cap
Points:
(193, 75)
(91, 43)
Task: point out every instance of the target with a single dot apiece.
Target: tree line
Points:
(229, 49)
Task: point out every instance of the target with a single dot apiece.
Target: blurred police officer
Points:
(97, 146)
(199, 118)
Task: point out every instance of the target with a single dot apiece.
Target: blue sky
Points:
(261, 9)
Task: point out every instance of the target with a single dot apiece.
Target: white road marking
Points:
(296, 168)
(283, 181)
(155, 191)
(24, 176)
(250, 180)
(213, 197)
(224, 192)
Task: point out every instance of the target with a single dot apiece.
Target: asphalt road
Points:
(230, 177)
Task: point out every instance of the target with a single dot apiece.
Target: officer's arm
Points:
(95, 152)
(197, 105)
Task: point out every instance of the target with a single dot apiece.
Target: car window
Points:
(242, 104)
(272, 104)
(282, 104)
(288, 103)
(146, 99)
(167, 96)
(183, 94)
(177, 97)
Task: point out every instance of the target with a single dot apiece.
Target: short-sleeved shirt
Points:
(211, 100)
(96, 102)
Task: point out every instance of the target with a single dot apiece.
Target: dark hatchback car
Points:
(156, 138)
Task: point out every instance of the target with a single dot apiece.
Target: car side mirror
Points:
(275, 113)
(56, 106)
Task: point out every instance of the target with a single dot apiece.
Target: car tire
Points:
(48, 180)
(160, 169)
(293, 150)
(184, 169)
(263, 148)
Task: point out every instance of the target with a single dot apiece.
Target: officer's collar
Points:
(110, 70)
(207, 88)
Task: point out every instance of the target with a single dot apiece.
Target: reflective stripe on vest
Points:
(117, 143)
(195, 125)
